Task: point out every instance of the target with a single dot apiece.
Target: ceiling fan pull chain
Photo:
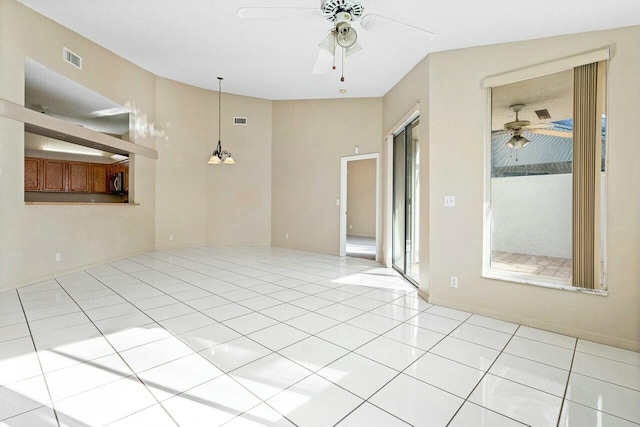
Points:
(342, 77)
(335, 45)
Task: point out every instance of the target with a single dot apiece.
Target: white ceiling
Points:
(194, 41)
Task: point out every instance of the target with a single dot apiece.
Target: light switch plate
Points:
(449, 201)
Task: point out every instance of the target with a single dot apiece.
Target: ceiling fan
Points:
(517, 127)
(342, 14)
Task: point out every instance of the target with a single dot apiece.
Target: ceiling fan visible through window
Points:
(342, 39)
(518, 126)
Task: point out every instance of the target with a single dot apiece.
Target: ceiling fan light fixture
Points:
(346, 36)
(522, 141)
(353, 49)
(517, 141)
(329, 43)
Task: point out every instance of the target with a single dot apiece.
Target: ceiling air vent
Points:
(72, 58)
(543, 114)
(240, 121)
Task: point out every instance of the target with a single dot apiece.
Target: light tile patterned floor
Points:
(544, 266)
(252, 336)
(532, 264)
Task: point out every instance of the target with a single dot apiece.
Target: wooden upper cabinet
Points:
(54, 175)
(98, 178)
(79, 179)
(32, 174)
(71, 176)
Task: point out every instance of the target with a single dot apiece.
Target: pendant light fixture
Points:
(219, 155)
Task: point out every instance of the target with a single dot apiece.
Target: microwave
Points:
(116, 183)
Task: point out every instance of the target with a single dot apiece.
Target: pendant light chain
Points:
(219, 107)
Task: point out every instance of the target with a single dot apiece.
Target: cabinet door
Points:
(32, 174)
(79, 176)
(54, 175)
(126, 175)
(98, 178)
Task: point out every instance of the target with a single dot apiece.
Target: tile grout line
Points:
(121, 358)
(566, 386)
(314, 335)
(44, 377)
(466, 399)
(224, 373)
(367, 400)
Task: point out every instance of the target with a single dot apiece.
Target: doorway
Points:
(359, 202)
(406, 202)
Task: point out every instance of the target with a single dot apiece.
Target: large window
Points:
(547, 182)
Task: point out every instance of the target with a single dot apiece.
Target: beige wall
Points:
(238, 209)
(85, 235)
(457, 166)
(361, 198)
(199, 203)
(309, 138)
(178, 194)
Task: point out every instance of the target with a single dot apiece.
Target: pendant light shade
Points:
(219, 155)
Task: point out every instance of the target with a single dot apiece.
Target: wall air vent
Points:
(72, 58)
(240, 121)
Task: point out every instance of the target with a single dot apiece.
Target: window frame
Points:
(532, 72)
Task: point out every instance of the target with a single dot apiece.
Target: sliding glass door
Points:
(406, 202)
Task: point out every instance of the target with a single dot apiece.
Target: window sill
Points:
(560, 284)
(81, 204)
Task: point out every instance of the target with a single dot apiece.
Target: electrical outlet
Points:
(170, 236)
(450, 201)
(58, 256)
(454, 282)
(286, 236)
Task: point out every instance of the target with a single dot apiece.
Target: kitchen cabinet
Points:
(32, 174)
(79, 177)
(54, 175)
(68, 176)
(98, 178)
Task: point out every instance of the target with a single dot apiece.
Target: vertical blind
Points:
(587, 142)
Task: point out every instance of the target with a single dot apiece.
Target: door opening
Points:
(359, 206)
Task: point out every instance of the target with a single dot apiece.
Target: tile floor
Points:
(361, 247)
(260, 336)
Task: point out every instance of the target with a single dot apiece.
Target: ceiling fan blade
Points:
(557, 133)
(324, 62)
(372, 21)
(278, 12)
(537, 126)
